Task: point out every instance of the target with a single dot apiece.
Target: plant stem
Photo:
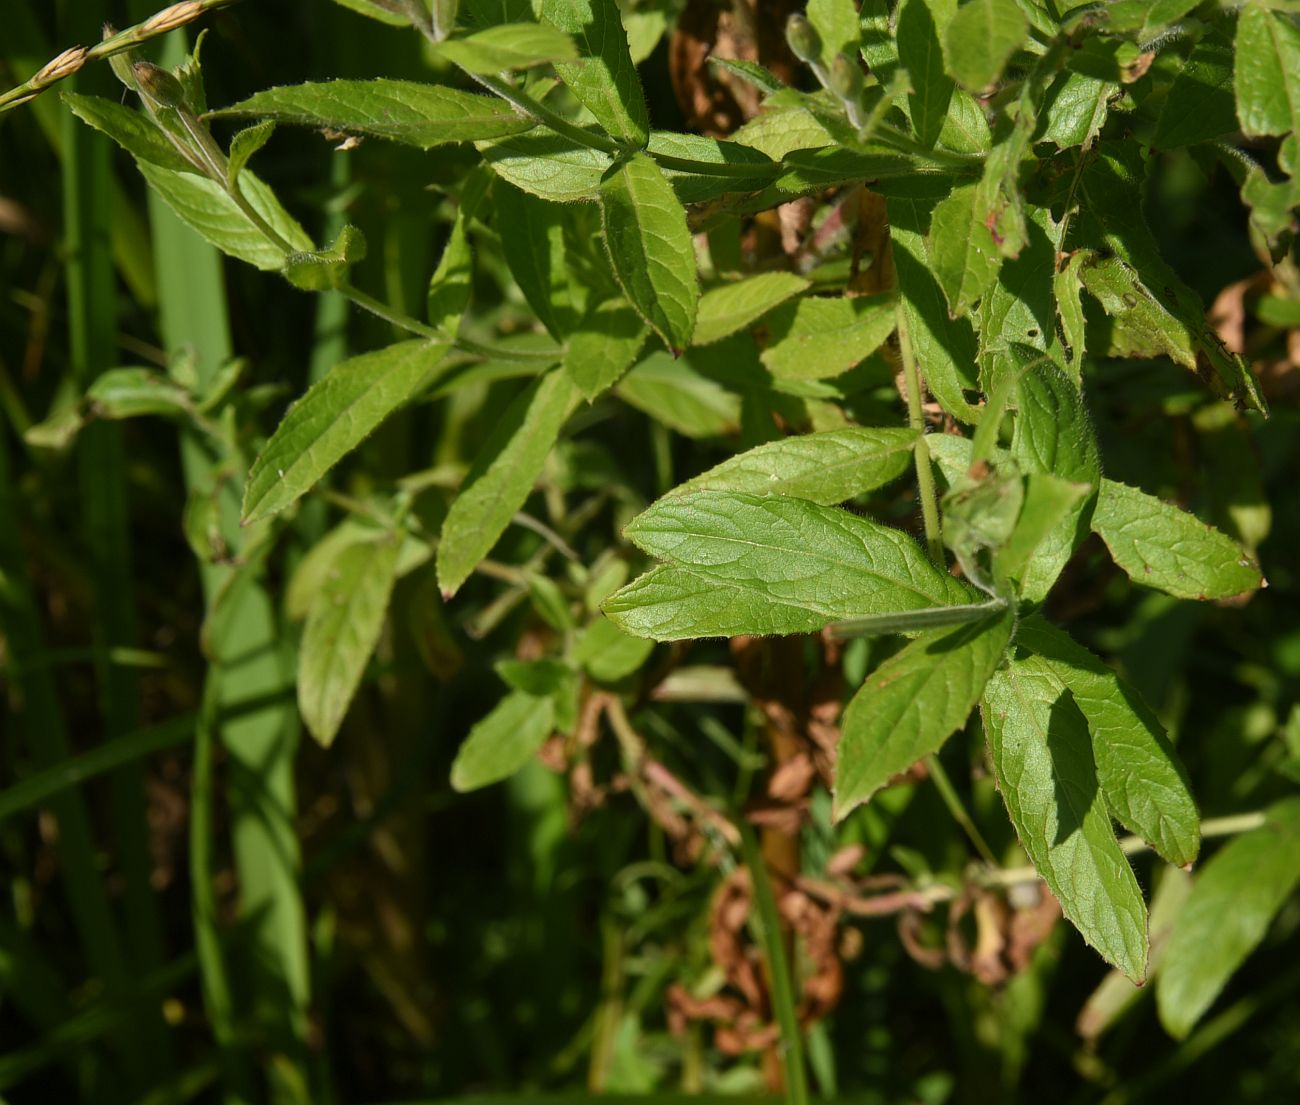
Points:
(952, 800)
(921, 451)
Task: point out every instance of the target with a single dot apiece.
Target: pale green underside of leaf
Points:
(672, 392)
(335, 415)
(415, 114)
(725, 310)
(816, 337)
(1227, 914)
(910, 705)
(824, 468)
(343, 627)
(1042, 758)
(504, 741)
(650, 248)
(1141, 776)
(742, 563)
(502, 477)
(1173, 551)
(508, 46)
(605, 80)
(134, 131)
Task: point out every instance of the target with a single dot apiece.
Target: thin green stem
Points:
(921, 451)
(540, 113)
(953, 801)
(779, 979)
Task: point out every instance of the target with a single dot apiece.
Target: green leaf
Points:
(609, 654)
(605, 80)
(671, 391)
(744, 563)
(134, 131)
(206, 207)
(132, 392)
(508, 46)
(1142, 779)
(1267, 78)
(327, 268)
(244, 145)
(824, 468)
(537, 254)
(343, 627)
(1067, 289)
(945, 347)
(981, 38)
(910, 705)
(1054, 436)
(818, 337)
(731, 307)
(452, 282)
(1226, 916)
(963, 256)
(375, 11)
(1043, 761)
(502, 477)
(415, 114)
(650, 247)
(1074, 110)
(604, 347)
(336, 414)
(1199, 106)
(837, 25)
(920, 53)
(504, 741)
(1163, 547)
(1142, 326)
(1049, 504)
(1143, 19)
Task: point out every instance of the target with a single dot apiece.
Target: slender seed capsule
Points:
(803, 38)
(846, 78)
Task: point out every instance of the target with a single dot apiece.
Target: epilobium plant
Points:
(902, 267)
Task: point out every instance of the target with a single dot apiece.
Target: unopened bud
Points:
(158, 84)
(803, 38)
(170, 18)
(64, 65)
(846, 77)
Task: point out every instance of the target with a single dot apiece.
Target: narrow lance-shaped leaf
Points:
(650, 247)
(604, 347)
(1141, 777)
(963, 256)
(502, 477)
(910, 705)
(1163, 547)
(605, 81)
(422, 115)
(1042, 758)
(508, 46)
(744, 564)
(1233, 901)
(535, 231)
(920, 53)
(343, 626)
(826, 468)
(815, 338)
(504, 741)
(336, 414)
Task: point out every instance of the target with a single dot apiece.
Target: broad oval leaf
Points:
(1141, 776)
(910, 705)
(1267, 75)
(1227, 914)
(731, 307)
(742, 563)
(605, 81)
(650, 247)
(336, 414)
(502, 477)
(1042, 758)
(415, 114)
(504, 741)
(826, 468)
(1173, 551)
(343, 627)
(818, 337)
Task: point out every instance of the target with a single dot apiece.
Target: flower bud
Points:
(158, 84)
(803, 38)
(846, 77)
